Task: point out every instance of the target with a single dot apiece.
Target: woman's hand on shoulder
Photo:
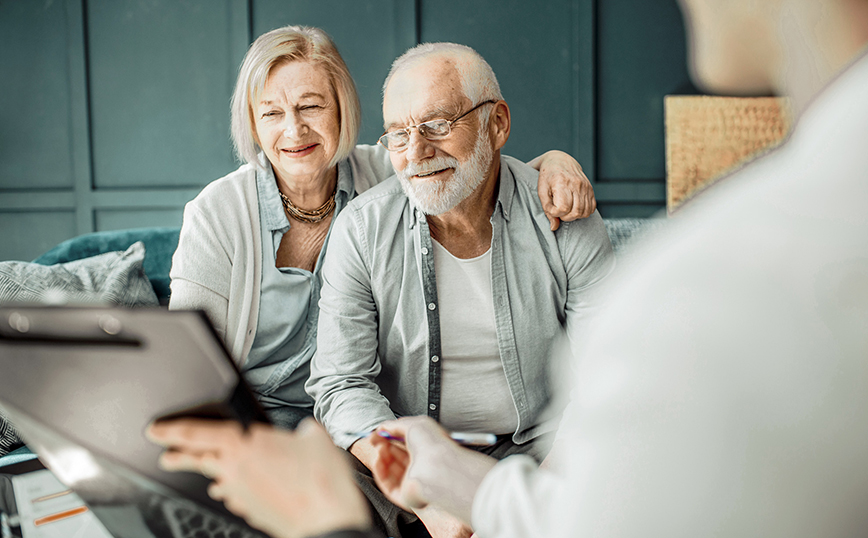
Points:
(564, 189)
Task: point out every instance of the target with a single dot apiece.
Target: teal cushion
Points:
(17, 456)
(160, 245)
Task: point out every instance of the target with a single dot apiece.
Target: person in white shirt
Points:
(725, 386)
(724, 391)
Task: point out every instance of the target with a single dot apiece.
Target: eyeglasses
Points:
(431, 130)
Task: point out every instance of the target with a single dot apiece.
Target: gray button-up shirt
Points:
(378, 343)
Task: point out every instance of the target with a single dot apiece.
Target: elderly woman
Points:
(252, 242)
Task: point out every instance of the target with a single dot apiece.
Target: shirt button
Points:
(424, 250)
(435, 358)
(432, 407)
(431, 306)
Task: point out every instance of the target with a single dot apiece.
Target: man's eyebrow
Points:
(442, 112)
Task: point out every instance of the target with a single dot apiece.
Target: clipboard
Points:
(82, 383)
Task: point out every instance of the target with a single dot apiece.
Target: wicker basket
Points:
(708, 136)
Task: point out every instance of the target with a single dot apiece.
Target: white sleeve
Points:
(371, 165)
(528, 510)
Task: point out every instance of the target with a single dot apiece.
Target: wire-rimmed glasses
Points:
(432, 130)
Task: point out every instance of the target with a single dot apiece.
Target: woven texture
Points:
(708, 136)
(110, 278)
(9, 438)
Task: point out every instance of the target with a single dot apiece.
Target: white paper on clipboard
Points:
(48, 509)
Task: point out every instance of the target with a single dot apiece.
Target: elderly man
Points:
(444, 289)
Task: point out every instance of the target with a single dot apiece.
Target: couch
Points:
(160, 243)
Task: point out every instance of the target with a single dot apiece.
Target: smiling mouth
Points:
(430, 174)
(299, 149)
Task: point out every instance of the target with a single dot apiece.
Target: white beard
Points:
(438, 197)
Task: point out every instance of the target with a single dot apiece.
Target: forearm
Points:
(346, 412)
(364, 451)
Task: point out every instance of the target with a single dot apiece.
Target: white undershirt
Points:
(474, 395)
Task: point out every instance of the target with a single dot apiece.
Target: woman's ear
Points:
(499, 123)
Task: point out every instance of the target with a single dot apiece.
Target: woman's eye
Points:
(310, 107)
(271, 113)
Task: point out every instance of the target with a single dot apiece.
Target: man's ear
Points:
(499, 123)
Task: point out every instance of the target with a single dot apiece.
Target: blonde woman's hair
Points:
(275, 48)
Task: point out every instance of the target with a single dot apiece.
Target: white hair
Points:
(477, 77)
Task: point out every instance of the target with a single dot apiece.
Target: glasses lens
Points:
(394, 140)
(434, 129)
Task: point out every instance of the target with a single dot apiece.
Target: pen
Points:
(462, 438)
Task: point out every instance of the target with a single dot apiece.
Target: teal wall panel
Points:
(35, 144)
(118, 219)
(619, 210)
(536, 50)
(27, 235)
(641, 58)
(369, 34)
(161, 76)
(114, 113)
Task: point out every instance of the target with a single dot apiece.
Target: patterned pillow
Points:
(110, 278)
(9, 438)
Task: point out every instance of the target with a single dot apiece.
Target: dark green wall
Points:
(114, 113)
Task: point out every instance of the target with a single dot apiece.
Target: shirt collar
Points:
(270, 204)
(506, 191)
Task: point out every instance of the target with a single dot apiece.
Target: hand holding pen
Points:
(419, 463)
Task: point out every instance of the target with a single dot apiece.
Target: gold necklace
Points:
(314, 215)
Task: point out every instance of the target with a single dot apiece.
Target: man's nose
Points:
(294, 126)
(419, 148)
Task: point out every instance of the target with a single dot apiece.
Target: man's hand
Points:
(564, 189)
(428, 469)
(287, 484)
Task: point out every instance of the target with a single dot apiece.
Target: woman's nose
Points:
(294, 127)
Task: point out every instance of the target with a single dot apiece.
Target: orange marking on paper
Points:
(60, 515)
(52, 496)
